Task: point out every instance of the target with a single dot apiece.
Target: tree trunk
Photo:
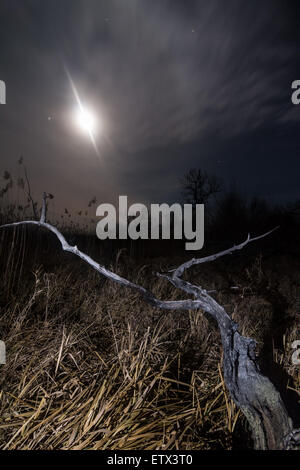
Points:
(254, 393)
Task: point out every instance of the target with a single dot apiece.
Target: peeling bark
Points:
(254, 393)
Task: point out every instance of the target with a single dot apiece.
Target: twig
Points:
(177, 272)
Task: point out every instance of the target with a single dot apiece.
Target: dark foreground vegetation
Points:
(90, 365)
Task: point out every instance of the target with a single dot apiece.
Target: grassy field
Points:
(91, 366)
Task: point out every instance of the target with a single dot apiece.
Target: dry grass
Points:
(91, 366)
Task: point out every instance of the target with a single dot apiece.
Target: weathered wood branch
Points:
(148, 295)
(188, 264)
(252, 392)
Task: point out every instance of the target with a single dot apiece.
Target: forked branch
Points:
(252, 392)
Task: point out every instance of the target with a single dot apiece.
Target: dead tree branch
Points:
(253, 393)
(180, 270)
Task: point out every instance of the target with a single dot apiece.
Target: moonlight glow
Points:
(86, 120)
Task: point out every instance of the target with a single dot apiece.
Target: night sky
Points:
(174, 85)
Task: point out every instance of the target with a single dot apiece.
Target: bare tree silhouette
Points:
(198, 186)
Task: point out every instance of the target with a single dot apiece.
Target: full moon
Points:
(85, 120)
